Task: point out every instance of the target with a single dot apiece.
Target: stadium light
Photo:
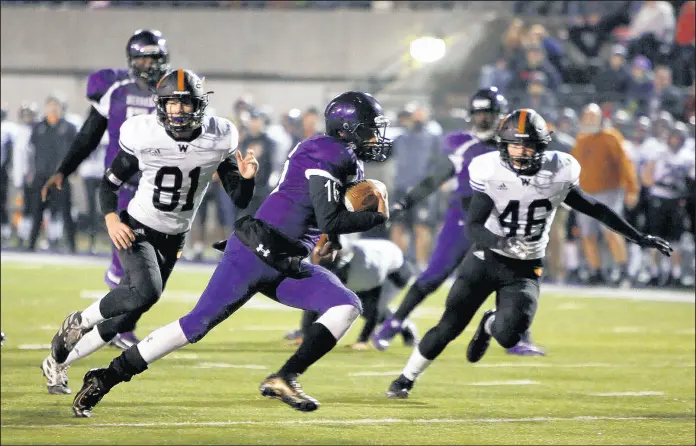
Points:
(428, 49)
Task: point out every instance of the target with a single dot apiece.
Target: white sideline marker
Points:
(641, 393)
(34, 346)
(519, 382)
(350, 422)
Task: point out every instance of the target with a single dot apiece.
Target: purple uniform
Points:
(117, 97)
(288, 209)
(453, 242)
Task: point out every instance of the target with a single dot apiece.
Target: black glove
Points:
(220, 245)
(651, 241)
(516, 246)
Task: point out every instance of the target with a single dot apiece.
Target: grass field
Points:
(619, 371)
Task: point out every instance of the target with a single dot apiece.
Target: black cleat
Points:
(481, 340)
(2, 338)
(92, 391)
(289, 391)
(409, 333)
(400, 388)
(69, 333)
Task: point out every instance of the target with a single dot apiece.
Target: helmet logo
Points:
(481, 103)
(346, 126)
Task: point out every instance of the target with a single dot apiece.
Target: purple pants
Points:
(240, 275)
(451, 247)
(114, 273)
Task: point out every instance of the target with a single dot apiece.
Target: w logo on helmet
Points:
(183, 147)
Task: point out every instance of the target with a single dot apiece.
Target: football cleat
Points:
(2, 338)
(292, 335)
(56, 376)
(69, 333)
(92, 391)
(481, 340)
(124, 341)
(526, 347)
(386, 332)
(289, 391)
(400, 388)
(409, 333)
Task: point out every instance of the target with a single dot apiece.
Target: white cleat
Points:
(56, 376)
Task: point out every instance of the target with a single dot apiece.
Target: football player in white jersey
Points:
(177, 151)
(516, 193)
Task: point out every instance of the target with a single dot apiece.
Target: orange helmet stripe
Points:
(522, 122)
(180, 80)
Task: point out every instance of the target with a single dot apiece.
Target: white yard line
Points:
(589, 418)
(641, 393)
(518, 382)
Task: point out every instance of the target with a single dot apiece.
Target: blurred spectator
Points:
(536, 61)
(594, 29)
(310, 119)
(50, 141)
(198, 228)
(496, 75)
(414, 152)
(91, 171)
(662, 124)
(690, 103)
(21, 154)
(608, 175)
(9, 135)
(613, 78)
(685, 38)
(264, 148)
(667, 96)
(512, 39)
(651, 32)
(640, 88)
(539, 97)
(553, 48)
(568, 123)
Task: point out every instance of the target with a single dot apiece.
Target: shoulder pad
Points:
(100, 81)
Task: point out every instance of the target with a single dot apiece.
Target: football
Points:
(360, 196)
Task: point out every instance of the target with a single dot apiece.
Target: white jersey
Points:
(175, 174)
(524, 205)
(372, 261)
(671, 171)
(8, 134)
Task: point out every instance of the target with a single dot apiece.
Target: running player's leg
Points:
(452, 244)
(371, 311)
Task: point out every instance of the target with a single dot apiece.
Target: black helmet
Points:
(525, 127)
(148, 43)
(357, 118)
(486, 108)
(677, 136)
(28, 112)
(187, 87)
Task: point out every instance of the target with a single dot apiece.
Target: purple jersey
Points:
(117, 97)
(461, 148)
(289, 207)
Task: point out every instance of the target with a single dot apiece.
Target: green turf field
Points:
(618, 372)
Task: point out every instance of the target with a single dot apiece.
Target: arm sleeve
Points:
(332, 217)
(480, 209)
(123, 167)
(240, 189)
(442, 171)
(581, 202)
(86, 142)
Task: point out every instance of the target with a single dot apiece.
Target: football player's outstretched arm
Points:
(122, 168)
(240, 189)
(443, 170)
(332, 217)
(480, 208)
(581, 202)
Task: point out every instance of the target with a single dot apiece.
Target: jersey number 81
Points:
(174, 189)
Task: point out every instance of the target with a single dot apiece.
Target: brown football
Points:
(360, 196)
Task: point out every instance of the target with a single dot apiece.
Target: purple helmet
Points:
(357, 118)
(147, 43)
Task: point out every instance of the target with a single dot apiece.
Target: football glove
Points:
(651, 241)
(516, 246)
(220, 245)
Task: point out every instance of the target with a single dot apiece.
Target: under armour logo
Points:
(264, 252)
(525, 181)
(502, 187)
(183, 147)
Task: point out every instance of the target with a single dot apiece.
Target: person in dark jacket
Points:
(263, 147)
(49, 142)
(613, 79)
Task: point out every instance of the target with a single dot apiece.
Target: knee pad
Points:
(339, 319)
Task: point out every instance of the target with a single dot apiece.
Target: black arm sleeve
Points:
(86, 141)
(332, 217)
(123, 167)
(240, 189)
(442, 171)
(581, 202)
(480, 208)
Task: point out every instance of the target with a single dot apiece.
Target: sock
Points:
(90, 343)
(413, 297)
(91, 316)
(161, 342)
(317, 342)
(198, 247)
(416, 365)
(124, 367)
(488, 325)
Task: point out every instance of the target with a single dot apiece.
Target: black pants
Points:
(93, 214)
(4, 183)
(147, 266)
(516, 283)
(58, 202)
